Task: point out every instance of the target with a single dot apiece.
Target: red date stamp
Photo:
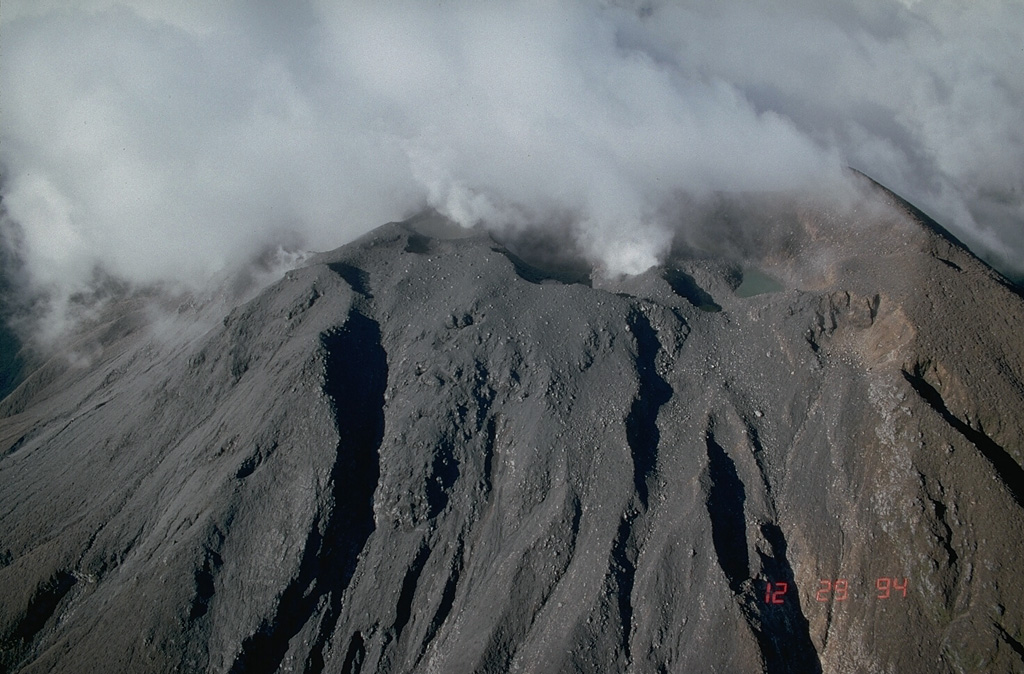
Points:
(776, 592)
(888, 586)
(837, 589)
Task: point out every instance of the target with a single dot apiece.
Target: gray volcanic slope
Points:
(424, 453)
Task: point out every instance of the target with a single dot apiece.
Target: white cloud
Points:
(169, 142)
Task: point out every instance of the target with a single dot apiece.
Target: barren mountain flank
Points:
(794, 447)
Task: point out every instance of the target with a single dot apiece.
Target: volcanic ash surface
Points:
(426, 453)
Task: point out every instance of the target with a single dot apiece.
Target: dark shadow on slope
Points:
(354, 276)
(1010, 472)
(354, 656)
(203, 581)
(43, 605)
(550, 272)
(356, 376)
(686, 287)
(1017, 647)
(782, 631)
(726, 496)
(403, 609)
(41, 608)
(542, 254)
(417, 244)
(444, 607)
(641, 424)
(623, 568)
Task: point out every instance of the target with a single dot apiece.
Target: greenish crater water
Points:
(756, 282)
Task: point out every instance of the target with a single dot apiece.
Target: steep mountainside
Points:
(426, 452)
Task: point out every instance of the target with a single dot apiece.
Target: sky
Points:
(171, 142)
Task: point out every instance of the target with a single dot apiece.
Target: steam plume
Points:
(171, 144)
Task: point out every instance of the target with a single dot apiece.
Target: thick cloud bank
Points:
(162, 143)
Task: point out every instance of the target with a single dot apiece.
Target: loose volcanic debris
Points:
(430, 453)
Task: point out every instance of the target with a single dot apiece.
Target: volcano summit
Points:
(794, 447)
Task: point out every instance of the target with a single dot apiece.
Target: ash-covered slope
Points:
(424, 453)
